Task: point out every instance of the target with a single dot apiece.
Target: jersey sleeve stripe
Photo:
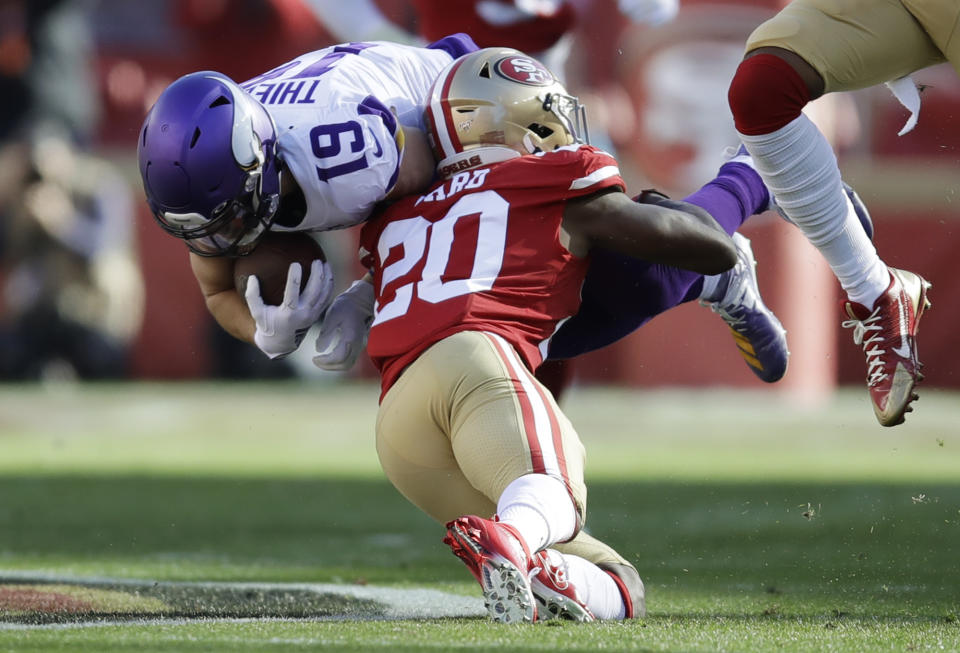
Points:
(594, 177)
(374, 107)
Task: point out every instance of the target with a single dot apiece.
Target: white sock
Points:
(800, 169)
(600, 592)
(540, 508)
(710, 282)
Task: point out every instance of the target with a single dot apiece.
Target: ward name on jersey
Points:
(481, 251)
(337, 112)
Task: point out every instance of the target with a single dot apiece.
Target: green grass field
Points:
(757, 526)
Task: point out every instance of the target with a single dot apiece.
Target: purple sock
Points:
(733, 196)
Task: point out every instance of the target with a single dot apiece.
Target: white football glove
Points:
(649, 12)
(280, 329)
(343, 332)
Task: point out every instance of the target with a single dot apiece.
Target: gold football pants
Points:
(465, 420)
(859, 43)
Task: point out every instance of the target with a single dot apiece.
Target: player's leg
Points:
(538, 506)
(505, 448)
(415, 436)
(939, 19)
(621, 294)
(592, 579)
(414, 449)
(596, 582)
(735, 194)
(812, 47)
(487, 423)
(512, 441)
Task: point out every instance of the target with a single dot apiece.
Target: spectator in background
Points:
(46, 74)
(361, 20)
(542, 28)
(72, 294)
(545, 29)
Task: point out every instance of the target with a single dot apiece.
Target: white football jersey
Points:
(336, 111)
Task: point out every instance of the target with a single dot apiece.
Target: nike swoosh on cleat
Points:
(903, 351)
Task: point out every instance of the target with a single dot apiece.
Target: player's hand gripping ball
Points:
(287, 284)
(270, 262)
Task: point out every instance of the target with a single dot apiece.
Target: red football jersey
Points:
(480, 252)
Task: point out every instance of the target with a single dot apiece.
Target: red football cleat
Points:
(556, 596)
(498, 558)
(888, 334)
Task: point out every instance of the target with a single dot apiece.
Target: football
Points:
(271, 260)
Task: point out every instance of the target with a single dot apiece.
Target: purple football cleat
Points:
(759, 335)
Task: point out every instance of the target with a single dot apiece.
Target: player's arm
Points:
(275, 330)
(691, 240)
(416, 165)
(226, 305)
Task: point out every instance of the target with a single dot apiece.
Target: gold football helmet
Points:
(496, 104)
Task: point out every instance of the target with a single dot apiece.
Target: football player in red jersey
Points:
(814, 47)
(472, 280)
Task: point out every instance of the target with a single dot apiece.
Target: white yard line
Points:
(393, 603)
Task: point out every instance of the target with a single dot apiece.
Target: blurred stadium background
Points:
(93, 289)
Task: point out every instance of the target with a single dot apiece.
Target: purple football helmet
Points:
(209, 165)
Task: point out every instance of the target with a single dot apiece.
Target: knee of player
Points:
(631, 588)
(766, 93)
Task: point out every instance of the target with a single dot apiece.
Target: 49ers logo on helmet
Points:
(524, 70)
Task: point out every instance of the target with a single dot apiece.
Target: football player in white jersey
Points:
(311, 145)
